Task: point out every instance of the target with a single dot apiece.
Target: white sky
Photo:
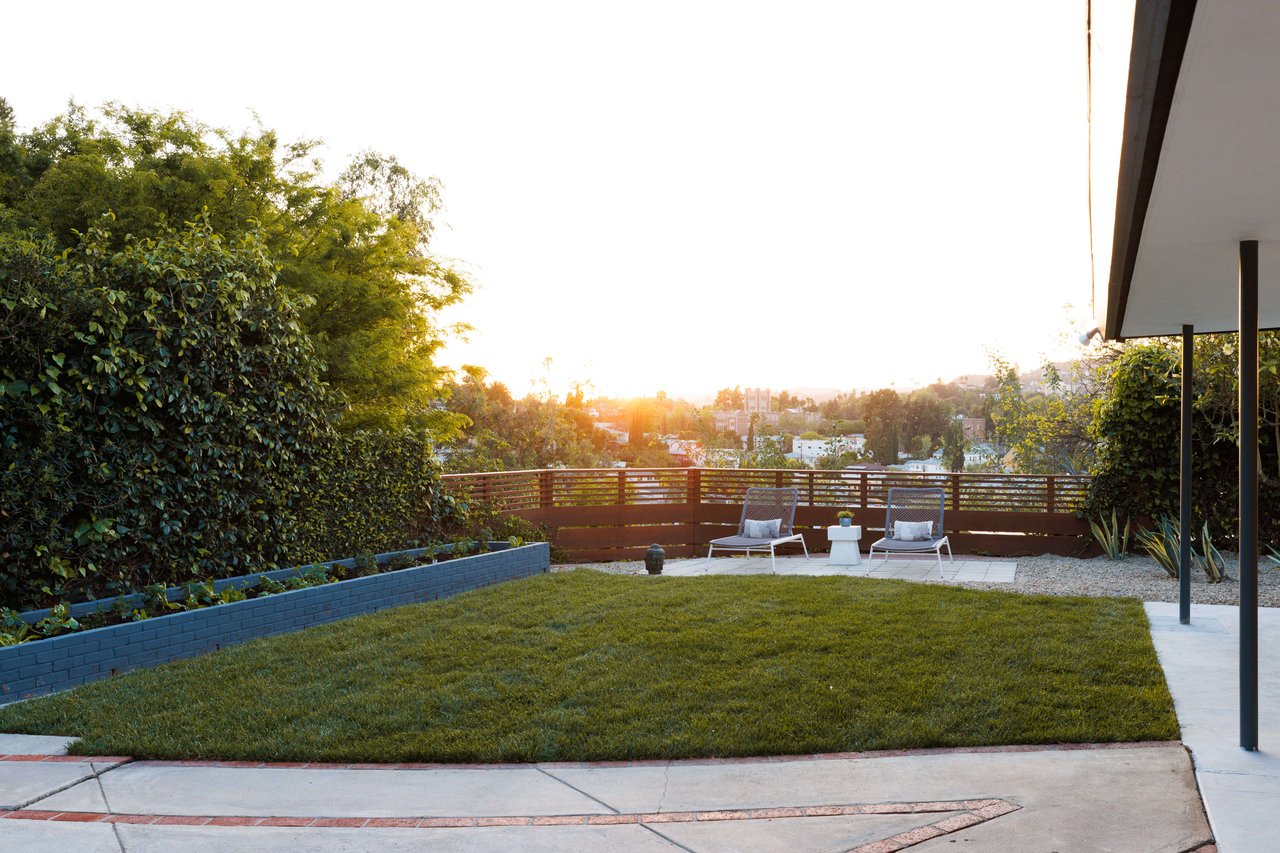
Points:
(667, 196)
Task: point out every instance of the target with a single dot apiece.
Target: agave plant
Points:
(1274, 557)
(1114, 541)
(1163, 544)
(1215, 568)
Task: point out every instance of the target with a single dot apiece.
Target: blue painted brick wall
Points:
(46, 666)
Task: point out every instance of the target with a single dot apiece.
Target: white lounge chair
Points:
(913, 523)
(766, 523)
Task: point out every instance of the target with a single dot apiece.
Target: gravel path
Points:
(1135, 576)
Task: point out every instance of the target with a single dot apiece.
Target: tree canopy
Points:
(357, 250)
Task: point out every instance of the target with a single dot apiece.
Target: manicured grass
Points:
(581, 666)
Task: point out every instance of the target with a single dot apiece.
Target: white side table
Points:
(844, 545)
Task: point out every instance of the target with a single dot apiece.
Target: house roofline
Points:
(1160, 32)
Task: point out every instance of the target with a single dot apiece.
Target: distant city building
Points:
(975, 429)
(720, 457)
(757, 400)
(923, 466)
(810, 450)
(685, 451)
(740, 422)
(619, 436)
(980, 454)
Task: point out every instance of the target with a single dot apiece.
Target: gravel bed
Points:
(1138, 577)
(621, 567)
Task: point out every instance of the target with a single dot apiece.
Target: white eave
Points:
(1216, 180)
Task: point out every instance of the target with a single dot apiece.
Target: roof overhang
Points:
(1198, 171)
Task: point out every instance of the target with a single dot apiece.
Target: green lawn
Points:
(582, 665)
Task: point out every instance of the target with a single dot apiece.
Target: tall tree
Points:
(357, 251)
(730, 399)
(882, 411)
(953, 446)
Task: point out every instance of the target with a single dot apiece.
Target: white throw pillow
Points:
(763, 529)
(913, 531)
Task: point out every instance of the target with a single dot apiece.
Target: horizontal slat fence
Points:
(615, 513)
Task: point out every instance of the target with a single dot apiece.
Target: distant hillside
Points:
(1031, 377)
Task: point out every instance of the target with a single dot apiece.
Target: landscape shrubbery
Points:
(164, 419)
(184, 402)
(1136, 429)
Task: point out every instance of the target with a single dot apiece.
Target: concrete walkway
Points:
(1129, 797)
(903, 568)
(1201, 663)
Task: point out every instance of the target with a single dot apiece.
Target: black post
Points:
(1249, 495)
(1184, 478)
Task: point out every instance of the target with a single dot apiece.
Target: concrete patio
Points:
(1241, 789)
(1132, 797)
(973, 569)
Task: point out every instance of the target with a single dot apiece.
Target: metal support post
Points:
(1249, 495)
(1184, 477)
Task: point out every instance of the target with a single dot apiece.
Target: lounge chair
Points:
(913, 523)
(767, 516)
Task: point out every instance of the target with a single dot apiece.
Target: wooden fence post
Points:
(546, 489)
(622, 487)
(1050, 498)
(955, 492)
(693, 503)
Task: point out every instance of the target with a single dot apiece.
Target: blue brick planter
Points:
(45, 666)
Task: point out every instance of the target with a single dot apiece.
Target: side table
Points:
(844, 545)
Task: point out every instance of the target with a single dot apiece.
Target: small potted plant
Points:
(846, 518)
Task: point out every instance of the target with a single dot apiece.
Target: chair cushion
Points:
(762, 529)
(913, 531)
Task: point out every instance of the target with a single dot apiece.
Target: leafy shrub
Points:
(1136, 426)
(163, 418)
(160, 406)
(371, 492)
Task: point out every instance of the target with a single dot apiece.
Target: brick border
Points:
(57, 663)
(972, 813)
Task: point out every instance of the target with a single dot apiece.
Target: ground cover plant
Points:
(580, 666)
(197, 595)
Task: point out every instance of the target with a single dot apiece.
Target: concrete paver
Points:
(1131, 797)
(1145, 796)
(921, 568)
(21, 782)
(33, 836)
(34, 744)
(1241, 789)
(207, 839)
(158, 788)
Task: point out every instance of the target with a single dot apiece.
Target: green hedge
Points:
(1137, 425)
(163, 418)
(372, 492)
